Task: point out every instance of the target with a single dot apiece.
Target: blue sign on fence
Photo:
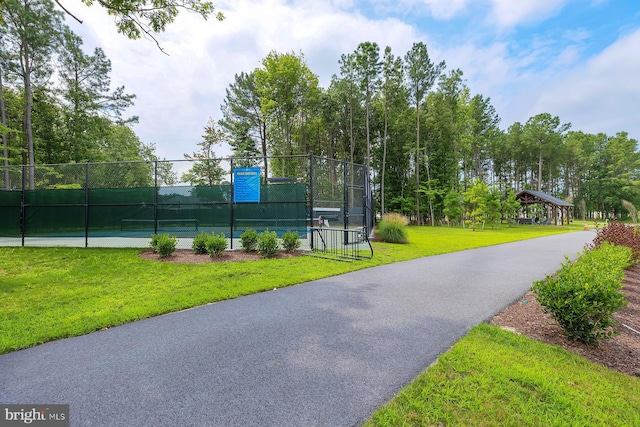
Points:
(246, 185)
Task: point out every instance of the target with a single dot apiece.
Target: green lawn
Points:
(51, 293)
(490, 377)
(493, 377)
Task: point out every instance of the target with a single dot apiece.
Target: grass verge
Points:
(494, 377)
(52, 293)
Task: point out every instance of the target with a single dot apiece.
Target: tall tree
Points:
(243, 118)
(85, 88)
(287, 88)
(543, 133)
(421, 75)
(32, 29)
(484, 123)
(206, 169)
(3, 132)
(367, 62)
(392, 89)
(347, 70)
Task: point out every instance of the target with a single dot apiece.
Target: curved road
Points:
(324, 353)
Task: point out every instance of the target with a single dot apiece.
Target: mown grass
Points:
(52, 293)
(492, 377)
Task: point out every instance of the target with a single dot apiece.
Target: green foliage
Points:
(405, 205)
(393, 228)
(164, 244)
(510, 206)
(493, 209)
(291, 241)
(249, 240)
(206, 170)
(475, 203)
(199, 244)
(268, 244)
(452, 207)
(137, 18)
(216, 244)
(584, 295)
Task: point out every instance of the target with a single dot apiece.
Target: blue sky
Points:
(577, 59)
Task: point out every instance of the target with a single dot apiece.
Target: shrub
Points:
(268, 243)
(583, 295)
(249, 240)
(619, 234)
(163, 244)
(216, 244)
(393, 228)
(291, 241)
(396, 218)
(199, 245)
(154, 242)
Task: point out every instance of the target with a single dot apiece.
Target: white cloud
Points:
(509, 13)
(602, 95)
(178, 93)
(445, 9)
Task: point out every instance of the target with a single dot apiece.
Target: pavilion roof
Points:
(530, 197)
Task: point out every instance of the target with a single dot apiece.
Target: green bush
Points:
(393, 228)
(291, 241)
(249, 240)
(163, 244)
(216, 244)
(199, 245)
(584, 295)
(268, 244)
(154, 242)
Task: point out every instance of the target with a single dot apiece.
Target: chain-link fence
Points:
(124, 204)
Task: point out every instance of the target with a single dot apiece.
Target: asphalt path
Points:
(323, 353)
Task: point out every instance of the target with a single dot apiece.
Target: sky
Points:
(575, 59)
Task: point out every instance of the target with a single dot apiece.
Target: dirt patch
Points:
(188, 256)
(620, 353)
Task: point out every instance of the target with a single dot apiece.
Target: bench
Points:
(180, 222)
(525, 221)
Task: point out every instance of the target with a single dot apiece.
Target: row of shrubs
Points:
(585, 294)
(265, 243)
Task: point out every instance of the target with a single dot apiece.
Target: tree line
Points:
(56, 101)
(413, 122)
(423, 133)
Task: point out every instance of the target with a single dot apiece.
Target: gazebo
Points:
(531, 197)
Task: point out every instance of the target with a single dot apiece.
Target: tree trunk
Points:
(263, 140)
(27, 127)
(540, 170)
(384, 152)
(419, 217)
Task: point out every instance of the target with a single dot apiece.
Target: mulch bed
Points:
(188, 256)
(620, 353)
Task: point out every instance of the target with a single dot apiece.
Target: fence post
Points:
(155, 197)
(231, 203)
(22, 204)
(345, 197)
(86, 205)
(311, 201)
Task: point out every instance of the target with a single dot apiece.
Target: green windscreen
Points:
(141, 212)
